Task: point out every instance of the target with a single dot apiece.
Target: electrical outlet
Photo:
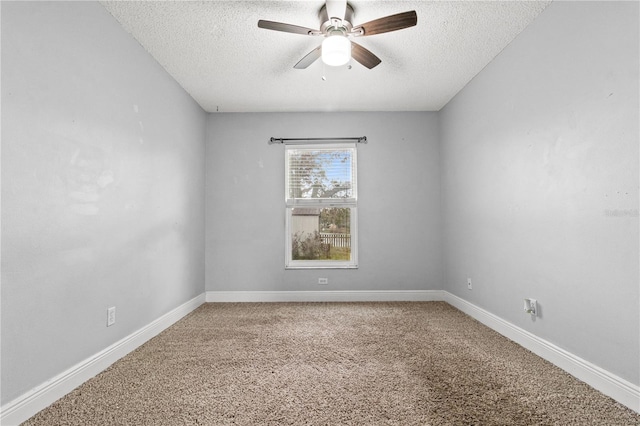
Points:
(531, 307)
(323, 281)
(111, 316)
(469, 285)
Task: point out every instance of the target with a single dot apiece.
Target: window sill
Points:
(316, 266)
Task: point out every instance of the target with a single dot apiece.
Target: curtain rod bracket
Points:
(285, 141)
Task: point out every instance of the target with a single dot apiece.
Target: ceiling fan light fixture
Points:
(336, 50)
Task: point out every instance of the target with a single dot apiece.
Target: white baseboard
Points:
(609, 384)
(39, 398)
(326, 296)
(29, 404)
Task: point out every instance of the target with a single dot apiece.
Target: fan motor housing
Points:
(329, 25)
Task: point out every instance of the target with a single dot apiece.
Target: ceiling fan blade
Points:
(364, 56)
(336, 9)
(287, 28)
(309, 58)
(387, 24)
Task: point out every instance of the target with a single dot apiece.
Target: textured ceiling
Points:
(217, 53)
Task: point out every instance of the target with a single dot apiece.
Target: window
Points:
(321, 206)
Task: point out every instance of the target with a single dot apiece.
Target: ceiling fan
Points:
(336, 28)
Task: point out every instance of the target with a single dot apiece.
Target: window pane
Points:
(321, 234)
(321, 173)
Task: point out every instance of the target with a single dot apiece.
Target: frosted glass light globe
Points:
(336, 50)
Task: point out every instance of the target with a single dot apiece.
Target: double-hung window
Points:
(321, 194)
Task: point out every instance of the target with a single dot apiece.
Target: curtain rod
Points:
(285, 141)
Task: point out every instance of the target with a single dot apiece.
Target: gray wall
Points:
(102, 189)
(398, 205)
(540, 183)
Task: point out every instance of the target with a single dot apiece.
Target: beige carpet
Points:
(333, 364)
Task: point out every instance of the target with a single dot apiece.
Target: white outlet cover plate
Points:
(111, 316)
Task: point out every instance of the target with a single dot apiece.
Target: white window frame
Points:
(351, 203)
